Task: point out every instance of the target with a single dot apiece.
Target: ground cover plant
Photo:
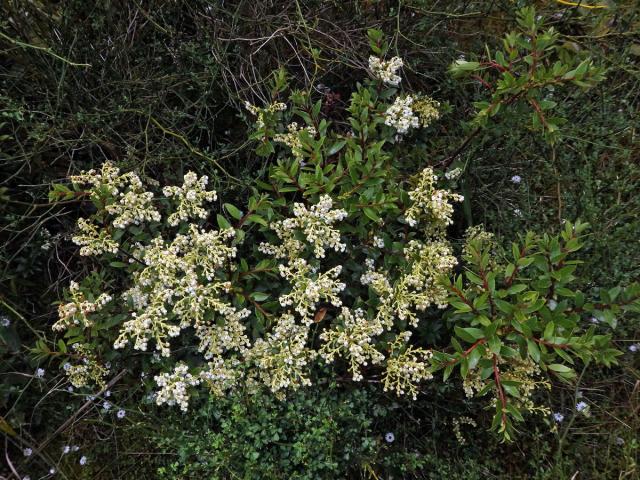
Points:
(319, 240)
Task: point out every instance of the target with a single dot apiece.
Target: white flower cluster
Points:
(75, 313)
(222, 375)
(292, 138)
(88, 371)
(189, 198)
(386, 70)
(92, 240)
(431, 201)
(180, 276)
(173, 387)
(260, 113)
(406, 367)
(128, 202)
(309, 288)
(353, 338)
(219, 338)
(415, 289)
(426, 108)
(453, 174)
(317, 226)
(133, 206)
(282, 357)
(400, 116)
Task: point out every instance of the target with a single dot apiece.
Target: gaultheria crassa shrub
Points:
(337, 258)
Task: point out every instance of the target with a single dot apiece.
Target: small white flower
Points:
(40, 373)
(66, 449)
(581, 406)
(558, 417)
(66, 366)
(106, 405)
(69, 389)
(619, 441)
(634, 348)
(594, 320)
(107, 393)
(121, 414)
(552, 304)
(517, 212)
(26, 478)
(389, 437)
(75, 448)
(516, 179)
(83, 460)
(52, 471)
(27, 452)
(5, 322)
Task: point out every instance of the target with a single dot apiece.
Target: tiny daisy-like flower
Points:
(516, 179)
(26, 478)
(121, 414)
(581, 406)
(83, 460)
(558, 417)
(106, 405)
(69, 389)
(27, 452)
(634, 348)
(66, 366)
(52, 471)
(66, 449)
(389, 437)
(107, 393)
(4, 321)
(40, 373)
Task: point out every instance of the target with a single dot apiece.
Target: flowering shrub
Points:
(339, 257)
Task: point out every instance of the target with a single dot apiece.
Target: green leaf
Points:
(233, 211)
(371, 213)
(494, 344)
(534, 350)
(336, 147)
(469, 334)
(223, 223)
(257, 219)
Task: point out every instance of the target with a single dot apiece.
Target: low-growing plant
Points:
(337, 258)
(524, 76)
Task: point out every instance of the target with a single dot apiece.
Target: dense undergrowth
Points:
(159, 88)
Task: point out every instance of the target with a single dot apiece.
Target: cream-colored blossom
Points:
(189, 198)
(430, 203)
(174, 386)
(407, 366)
(179, 280)
(293, 140)
(315, 225)
(352, 337)
(94, 241)
(400, 116)
(386, 70)
(222, 375)
(260, 113)
(76, 313)
(282, 358)
(426, 108)
(415, 289)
